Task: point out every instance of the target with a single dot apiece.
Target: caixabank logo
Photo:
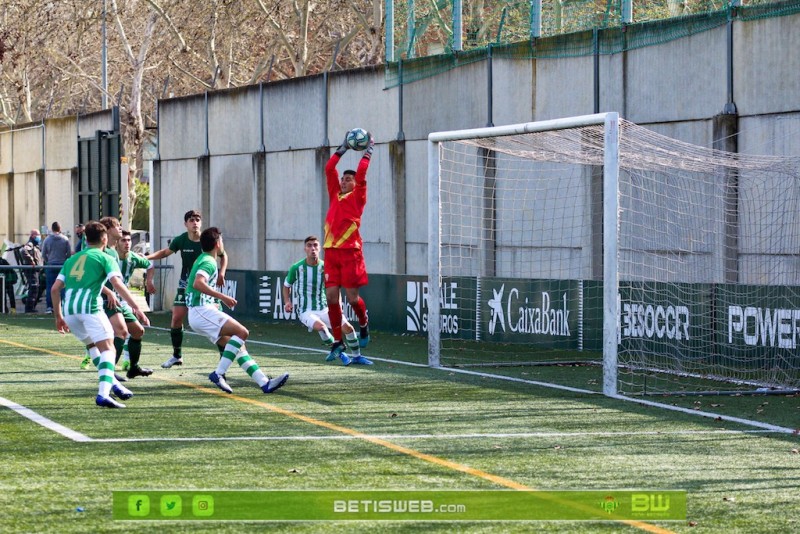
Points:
(516, 312)
(417, 305)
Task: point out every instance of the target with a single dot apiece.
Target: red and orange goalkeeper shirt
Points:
(344, 212)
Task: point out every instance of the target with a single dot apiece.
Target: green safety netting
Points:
(570, 28)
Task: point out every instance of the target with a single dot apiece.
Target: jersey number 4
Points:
(77, 270)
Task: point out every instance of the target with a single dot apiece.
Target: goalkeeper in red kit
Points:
(344, 260)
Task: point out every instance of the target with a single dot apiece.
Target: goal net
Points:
(594, 243)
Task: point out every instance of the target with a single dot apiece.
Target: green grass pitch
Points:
(389, 426)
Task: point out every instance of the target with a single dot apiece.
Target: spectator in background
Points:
(81, 238)
(31, 255)
(55, 251)
(7, 288)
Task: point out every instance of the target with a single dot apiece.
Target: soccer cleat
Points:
(345, 359)
(360, 360)
(363, 335)
(336, 349)
(86, 361)
(120, 378)
(121, 393)
(133, 372)
(219, 381)
(172, 361)
(107, 402)
(275, 383)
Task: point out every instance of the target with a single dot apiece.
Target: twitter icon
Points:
(171, 505)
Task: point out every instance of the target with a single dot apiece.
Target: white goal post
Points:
(589, 241)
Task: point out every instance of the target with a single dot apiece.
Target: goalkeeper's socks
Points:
(360, 307)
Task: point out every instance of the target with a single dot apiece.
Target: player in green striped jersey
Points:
(129, 262)
(206, 318)
(82, 278)
(123, 321)
(308, 278)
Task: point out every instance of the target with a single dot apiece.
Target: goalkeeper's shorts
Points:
(345, 267)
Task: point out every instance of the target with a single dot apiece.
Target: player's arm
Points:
(223, 267)
(361, 172)
(149, 276)
(288, 282)
(201, 284)
(140, 262)
(55, 294)
(287, 298)
(119, 286)
(111, 298)
(331, 174)
(159, 254)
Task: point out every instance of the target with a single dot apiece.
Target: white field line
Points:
(699, 413)
(44, 421)
(78, 437)
(397, 437)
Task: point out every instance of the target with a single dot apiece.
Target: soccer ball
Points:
(358, 139)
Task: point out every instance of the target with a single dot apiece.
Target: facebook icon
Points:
(138, 505)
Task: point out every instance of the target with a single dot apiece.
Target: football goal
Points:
(591, 241)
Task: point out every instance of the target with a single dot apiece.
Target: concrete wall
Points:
(38, 166)
(252, 158)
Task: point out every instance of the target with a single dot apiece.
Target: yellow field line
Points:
(501, 481)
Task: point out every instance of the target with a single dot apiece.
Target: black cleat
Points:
(133, 372)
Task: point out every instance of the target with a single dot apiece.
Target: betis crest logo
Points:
(609, 504)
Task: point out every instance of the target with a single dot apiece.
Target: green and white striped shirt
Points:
(207, 264)
(132, 262)
(83, 275)
(310, 280)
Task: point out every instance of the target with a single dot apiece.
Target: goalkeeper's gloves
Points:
(370, 147)
(343, 147)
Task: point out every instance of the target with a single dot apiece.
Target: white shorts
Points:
(90, 328)
(208, 321)
(310, 317)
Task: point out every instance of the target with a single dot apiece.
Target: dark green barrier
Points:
(541, 312)
(662, 318)
(260, 296)
(759, 327)
(699, 325)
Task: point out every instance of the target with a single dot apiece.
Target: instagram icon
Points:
(202, 505)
